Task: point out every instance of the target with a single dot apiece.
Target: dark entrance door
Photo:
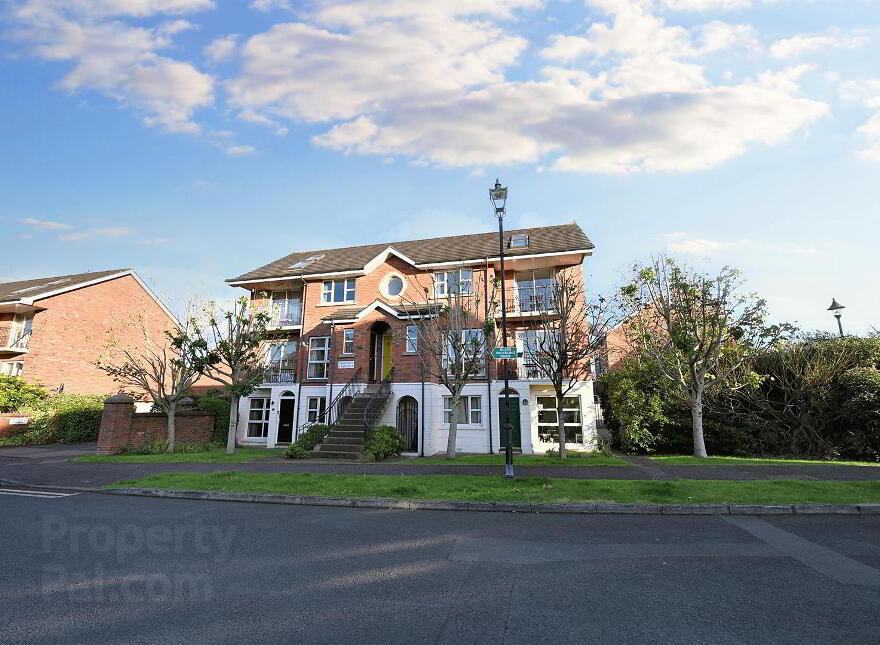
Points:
(408, 423)
(285, 421)
(515, 434)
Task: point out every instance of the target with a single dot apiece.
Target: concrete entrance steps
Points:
(346, 437)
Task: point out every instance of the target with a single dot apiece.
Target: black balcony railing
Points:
(521, 370)
(280, 372)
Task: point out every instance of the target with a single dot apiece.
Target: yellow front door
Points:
(387, 361)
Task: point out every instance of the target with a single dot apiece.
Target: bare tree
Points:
(451, 337)
(160, 369)
(569, 332)
(228, 347)
(697, 327)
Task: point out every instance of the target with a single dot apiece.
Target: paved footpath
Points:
(51, 466)
(97, 568)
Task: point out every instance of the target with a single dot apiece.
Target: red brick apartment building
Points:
(52, 329)
(339, 325)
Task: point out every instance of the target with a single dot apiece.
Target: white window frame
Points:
(304, 263)
(450, 353)
(553, 425)
(264, 409)
(519, 237)
(11, 368)
(441, 282)
(323, 346)
(347, 342)
(532, 290)
(471, 410)
(282, 351)
(412, 339)
(328, 291)
(315, 407)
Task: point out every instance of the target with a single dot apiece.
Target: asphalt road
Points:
(90, 568)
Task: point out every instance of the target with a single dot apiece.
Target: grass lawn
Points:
(211, 456)
(581, 459)
(532, 489)
(687, 460)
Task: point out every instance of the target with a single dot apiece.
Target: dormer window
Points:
(304, 263)
(519, 240)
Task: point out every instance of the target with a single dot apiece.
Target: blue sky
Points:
(197, 139)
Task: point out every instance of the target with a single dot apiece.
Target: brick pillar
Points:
(115, 424)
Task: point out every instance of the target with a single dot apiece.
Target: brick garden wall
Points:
(122, 428)
(6, 428)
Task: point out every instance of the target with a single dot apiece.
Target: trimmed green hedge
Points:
(384, 442)
(16, 393)
(65, 418)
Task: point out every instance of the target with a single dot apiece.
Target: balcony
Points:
(527, 301)
(279, 372)
(14, 341)
(286, 313)
(520, 370)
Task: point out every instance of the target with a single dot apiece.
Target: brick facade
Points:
(72, 329)
(122, 427)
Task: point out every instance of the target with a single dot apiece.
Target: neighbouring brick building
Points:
(339, 322)
(53, 329)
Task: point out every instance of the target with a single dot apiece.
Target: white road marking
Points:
(44, 494)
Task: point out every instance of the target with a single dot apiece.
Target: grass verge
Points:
(210, 456)
(532, 489)
(579, 459)
(687, 460)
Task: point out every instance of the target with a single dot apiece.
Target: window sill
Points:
(336, 304)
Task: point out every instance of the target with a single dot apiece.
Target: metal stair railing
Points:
(376, 404)
(326, 415)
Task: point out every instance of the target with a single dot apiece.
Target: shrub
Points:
(16, 393)
(312, 436)
(65, 418)
(384, 442)
(160, 446)
(216, 403)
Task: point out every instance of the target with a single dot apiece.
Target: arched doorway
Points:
(509, 406)
(408, 423)
(286, 410)
(381, 360)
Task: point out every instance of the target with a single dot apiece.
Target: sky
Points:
(195, 140)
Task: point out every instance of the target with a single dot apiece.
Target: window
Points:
(287, 307)
(258, 418)
(519, 240)
(535, 289)
(548, 418)
(282, 353)
(348, 341)
(319, 355)
(394, 286)
(470, 410)
(11, 368)
(412, 339)
(451, 282)
(472, 349)
(317, 408)
(338, 291)
(304, 263)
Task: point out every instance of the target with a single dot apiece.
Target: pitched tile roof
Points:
(36, 287)
(456, 248)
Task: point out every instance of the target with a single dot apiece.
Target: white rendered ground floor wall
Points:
(480, 435)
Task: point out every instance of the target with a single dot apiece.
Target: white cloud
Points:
(44, 224)
(106, 231)
(240, 151)
(867, 92)
(429, 81)
(221, 49)
(154, 241)
(269, 5)
(704, 5)
(689, 244)
(802, 44)
(120, 60)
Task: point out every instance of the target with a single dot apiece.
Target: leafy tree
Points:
(226, 344)
(698, 328)
(163, 370)
(569, 333)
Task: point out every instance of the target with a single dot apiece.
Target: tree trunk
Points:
(560, 424)
(453, 427)
(171, 412)
(233, 424)
(696, 401)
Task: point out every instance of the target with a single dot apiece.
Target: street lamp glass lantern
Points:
(498, 196)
